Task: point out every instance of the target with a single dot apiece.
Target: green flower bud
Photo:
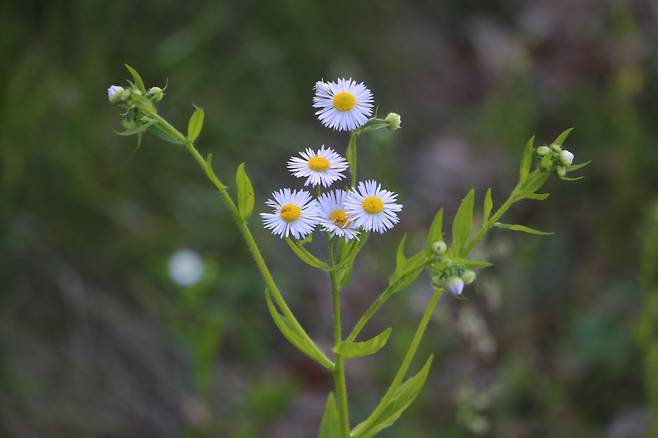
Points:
(156, 94)
(394, 121)
(117, 94)
(546, 162)
(439, 247)
(543, 150)
(468, 277)
(556, 148)
(561, 170)
(566, 157)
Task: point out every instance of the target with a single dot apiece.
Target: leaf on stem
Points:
(578, 166)
(137, 129)
(522, 228)
(435, 232)
(559, 140)
(488, 206)
(526, 161)
(245, 193)
(401, 400)
(306, 256)
(139, 83)
(400, 258)
(472, 263)
(296, 337)
(330, 424)
(351, 350)
(195, 124)
(462, 224)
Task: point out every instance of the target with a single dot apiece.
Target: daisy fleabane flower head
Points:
(343, 105)
(295, 214)
(334, 217)
(322, 167)
(372, 208)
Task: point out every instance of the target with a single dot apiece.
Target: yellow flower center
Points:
(290, 212)
(372, 204)
(339, 217)
(344, 101)
(318, 163)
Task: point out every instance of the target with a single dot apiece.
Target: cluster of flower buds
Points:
(453, 277)
(555, 159)
(120, 95)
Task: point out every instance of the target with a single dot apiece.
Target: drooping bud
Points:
(543, 150)
(116, 94)
(561, 170)
(394, 121)
(455, 285)
(468, 277)
(439, 247)
(156, 94)
(566, 157)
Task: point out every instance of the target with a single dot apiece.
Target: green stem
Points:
(246, 234)
(339, 369)
(352, 148)
(404, 367)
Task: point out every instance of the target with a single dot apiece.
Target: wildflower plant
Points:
(345, 212)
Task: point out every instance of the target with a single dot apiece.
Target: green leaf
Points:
(526, 161)
(137, 129)
(296, 337)
(162, 135)
(330, 424)
(139, 83)
(408, 273)
(535, 196)
(345, 276)
(535, 181)
(559, 140)
(351, 350)
(350, 152)
(195, 124)
(245, 193)
(348, 254)
(488, 206)
(401, 400)
(400, 258)
(306, 256)
(462, 224)
(567, 178)
(578, 166)
(471, 263)
(522, 228)
(436, 230)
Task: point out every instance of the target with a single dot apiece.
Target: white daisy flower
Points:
(295, 213)
(343, 105)
(322, 167)
(333, 217)
(372, 208)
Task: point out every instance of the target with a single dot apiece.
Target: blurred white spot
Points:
(185, 267)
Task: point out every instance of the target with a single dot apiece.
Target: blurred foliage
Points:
(559, 339)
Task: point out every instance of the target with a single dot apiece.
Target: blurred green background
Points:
(558, 339)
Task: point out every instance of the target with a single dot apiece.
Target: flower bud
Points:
(566, 157)
(439, 247)
(468, 277)
(546, 162)
(116, 94)
(394, 121)
(543, 150)
(156, 94)
(561, 170)
(455, 285)
(556, 147)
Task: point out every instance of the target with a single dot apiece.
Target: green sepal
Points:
(330, 424)
(567, 178)
(137, 129)
(354, 349)
(306, 256)
(488, 206)
(435, 232)
(526, 161)
(297, 338)
(462, 224)
(471, 263)
(245, 193)
(404, 395)
(578, 166)
(195, 124)
(139, 83)
(523, 229)
(559, 140)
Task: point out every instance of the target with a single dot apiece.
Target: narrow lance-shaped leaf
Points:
(330, 424)
(462, 224)
(401, 400)
(488, 206)
(578, 166)
(351, 350)
(435, 232)
(559, 140)
(472, 263)
(400, 258)
(139, 83)
(522, 228)
(306, 256)
(245, 193)
(195, 124)
(526, 161)
(137, 129)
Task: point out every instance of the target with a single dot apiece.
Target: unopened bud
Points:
(561, 170)
(468, 277)
(543, 150)
(394, 121)
(566, 157)
(546, 162)
(439, 247)
(116, 94)
(556, 147)
(455, 285)
(156, 94)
